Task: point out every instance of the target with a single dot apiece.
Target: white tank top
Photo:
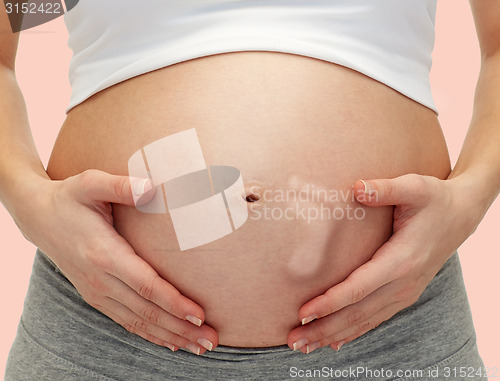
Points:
(390, 41)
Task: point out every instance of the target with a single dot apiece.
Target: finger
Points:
(145, 281)
(135, 324)
(95, 185)
(144, 335)
(349, 316)
(407, 189)
(367, 278)
(352, 333)
(156, 316)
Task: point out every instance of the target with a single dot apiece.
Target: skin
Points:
(344, 312)
(251, 289)
(432, 218)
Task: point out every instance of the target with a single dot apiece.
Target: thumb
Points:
(101, 186)
(142, 190)
(406, 189)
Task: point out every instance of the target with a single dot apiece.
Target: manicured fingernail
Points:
(339, 345)
(193, 319)
(312, 347)
(299, 344)
(207, 344)
(193, 348)
(368, 188)
(309, 318)
(141, 187)
(169, 346)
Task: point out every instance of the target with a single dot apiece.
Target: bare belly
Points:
(301, 131)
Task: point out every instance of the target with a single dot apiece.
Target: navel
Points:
(252, 197)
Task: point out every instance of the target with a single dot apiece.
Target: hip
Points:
(62, 337)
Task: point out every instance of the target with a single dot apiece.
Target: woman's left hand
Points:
(432, 218)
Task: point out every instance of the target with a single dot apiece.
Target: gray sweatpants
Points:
(60, 337)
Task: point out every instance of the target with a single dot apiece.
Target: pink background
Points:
(42, 66)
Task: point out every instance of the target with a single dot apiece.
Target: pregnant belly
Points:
(301, 131)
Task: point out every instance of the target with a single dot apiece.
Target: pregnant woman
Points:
(304, 98)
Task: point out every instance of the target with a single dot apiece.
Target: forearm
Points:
(479, 159)
(19, 160)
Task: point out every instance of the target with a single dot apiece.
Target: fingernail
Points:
(193, 348)
(339, 345)
(368, 188)
(169, 346)
(207, 344)
(193, 319)
(299, 344)
(312, 347)
(309, 318)
(141, 187)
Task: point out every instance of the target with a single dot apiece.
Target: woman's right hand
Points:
(71, 221)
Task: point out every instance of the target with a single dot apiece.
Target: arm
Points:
(432, 218)
(480, 155)
(17, 148)
(100, 263)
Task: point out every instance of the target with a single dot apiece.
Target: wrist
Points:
(19, 189)
(474, 191)
(482, 178)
